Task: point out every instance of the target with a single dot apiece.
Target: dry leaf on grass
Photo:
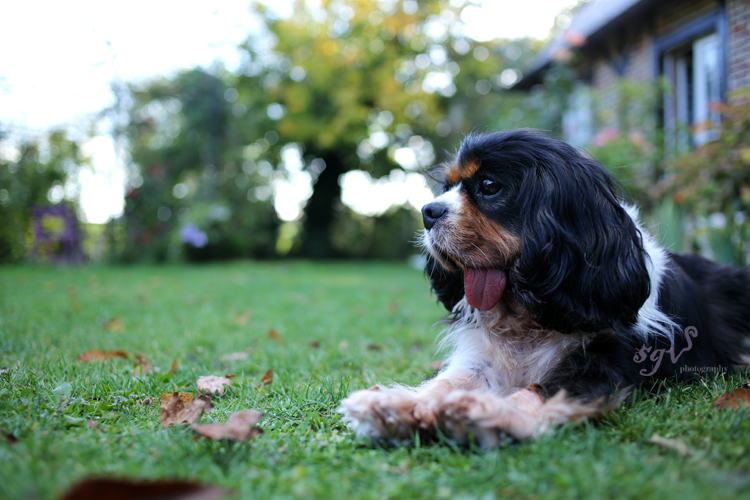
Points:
(314, 344)
(174, 367)
(97, 355)
(186, 398)
(114, 325)
(212, 384)
(235, 356)
(267, 378)
(175, 412)
(677, 445)
(738, 398)
(239, 427)
(241, 319)
(12, 439)
(274, 334)
(141, 366)
(374, 347)
(123, 489)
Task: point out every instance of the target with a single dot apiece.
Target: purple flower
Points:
(194, 236)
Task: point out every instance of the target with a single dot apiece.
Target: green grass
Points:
(373, 323)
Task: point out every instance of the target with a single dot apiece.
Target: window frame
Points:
(664, 64)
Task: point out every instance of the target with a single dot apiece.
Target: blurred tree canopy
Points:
(364, 84)
(349, 84)
(33, 172)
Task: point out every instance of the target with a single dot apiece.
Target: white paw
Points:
(380, 413)
(484, 416)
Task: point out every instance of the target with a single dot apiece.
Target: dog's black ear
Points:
(447, 285)
(582, 265)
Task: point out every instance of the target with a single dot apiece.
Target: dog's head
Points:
(526, 217)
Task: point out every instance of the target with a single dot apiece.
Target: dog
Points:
(559, 301)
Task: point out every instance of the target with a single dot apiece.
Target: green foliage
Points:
(700, 200)
(391, 235)
(548, 102)
(188, 167)
(629, 141)
(26, 181)
(712, 183)
(351, 82)
(340, 86)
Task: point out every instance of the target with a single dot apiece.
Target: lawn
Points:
(324, 330)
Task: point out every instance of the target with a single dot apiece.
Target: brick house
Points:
(700, 47)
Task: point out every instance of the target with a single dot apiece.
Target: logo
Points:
(657, 355)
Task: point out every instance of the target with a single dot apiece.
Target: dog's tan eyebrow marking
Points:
(469, 169)
(452, 174)
(458, 171)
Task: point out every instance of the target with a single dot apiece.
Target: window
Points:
(692, 63)
(578, 117)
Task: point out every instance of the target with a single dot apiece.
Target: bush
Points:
(712, 184)
(26, 181)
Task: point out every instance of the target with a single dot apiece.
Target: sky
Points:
(65, 55)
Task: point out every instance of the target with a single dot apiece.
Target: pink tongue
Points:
(483, 287)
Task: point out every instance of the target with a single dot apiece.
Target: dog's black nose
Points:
(433, 212)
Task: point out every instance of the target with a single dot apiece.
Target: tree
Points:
(362, 84)
(187, 167)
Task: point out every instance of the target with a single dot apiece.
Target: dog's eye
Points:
(488, 187)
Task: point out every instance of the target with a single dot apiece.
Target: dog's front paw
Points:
(380, 413)
(484, 416)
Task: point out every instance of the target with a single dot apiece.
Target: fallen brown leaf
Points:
(174, 411)
(123, 489)
(174, 367)
(10, 438)
(374, 347)
(114, 325)
(239, 427)
(274, 334)
(212, 384)
(97, 355)
(141, 366)
(241, 319)
(314, 344)
(186, 398)
(235, 356)
(738, 398)
(267, 378)
(677, 445)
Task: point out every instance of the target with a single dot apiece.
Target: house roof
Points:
(592, 20)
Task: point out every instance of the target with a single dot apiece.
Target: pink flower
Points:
(604, 136)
